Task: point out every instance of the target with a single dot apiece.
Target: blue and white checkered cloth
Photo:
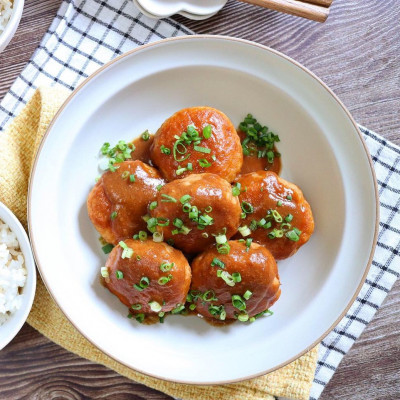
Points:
(88, 33)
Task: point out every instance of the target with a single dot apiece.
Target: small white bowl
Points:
(192, 9)
(12, 24)
(12, 326)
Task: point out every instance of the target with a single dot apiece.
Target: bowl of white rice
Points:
(10, 15)
(17, 276)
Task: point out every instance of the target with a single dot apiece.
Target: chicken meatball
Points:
(195, 211)
(119, 199)
(240, 285)
(148, 277)
(197, 140)
(276, 213)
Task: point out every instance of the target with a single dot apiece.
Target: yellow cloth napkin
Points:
(18, 148)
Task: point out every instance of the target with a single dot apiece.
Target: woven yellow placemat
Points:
(18, 148)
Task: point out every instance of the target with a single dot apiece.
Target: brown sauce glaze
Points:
(142, 149)
(252, 163)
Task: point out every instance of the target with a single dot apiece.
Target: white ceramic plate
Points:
(187, 8)
(323, 153)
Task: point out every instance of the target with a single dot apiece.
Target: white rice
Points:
(6, 9)
(12, 272)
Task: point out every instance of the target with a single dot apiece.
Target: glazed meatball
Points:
(257, 158)
(238, 285)
(193, 210)
(148, 277)
(119, 200)
(276, 213)
(197, 140)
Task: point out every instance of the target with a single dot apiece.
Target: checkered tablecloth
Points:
(85, 34)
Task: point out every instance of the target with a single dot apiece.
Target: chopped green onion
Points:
(154, 306)
(185, 198)
(236, 189)
(107, 248)
(161, 316)
(238, 302)
(189, 167)
(243, 215)
(185, 230)
(194, 212)
(136, 306)
(139, 318)
(223, 248)
(237, 277)
(289, 197)
(209, 295)
(208, 209)
(165, 150)
(207, 130)
(200, 149)
(142, 235)
(180, 171)
(178, 309)
(132, 178)
(143, 283)
(146, 135)
(247, 294)
(244, 231)
(226, 276)
(277, 217)
(186, 207)
(178, 223)
(204, 163)
(289, 218)
(125, 174)
(247, 207)
(243, 317)
(158, 187)
(119, 274)
(293, 235)
(113, 215)
(127, 251)
(248, 243)
(130, 316)
(162, 221)
(279, 203)
(167, 199)
(216, 262)
(204, 235)
(165, 267)
(158, 237)
(138, 257)
(192, 307)
(153, 205)
(205, 220)
(163, 280)
(220, 239)
(104, 272)
(217, 311)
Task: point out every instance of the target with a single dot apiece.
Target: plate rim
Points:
(262, 47)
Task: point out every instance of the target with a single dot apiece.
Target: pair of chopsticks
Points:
(316, 10)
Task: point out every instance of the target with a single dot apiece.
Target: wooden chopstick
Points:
(323, 3)
(294, 7)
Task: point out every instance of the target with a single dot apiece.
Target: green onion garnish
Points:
(192, 307)
(289, 218)
(180, 171)
(136, 306)
(293, 235)
(220, 239)
(236, 189)
(127, 252)
(247, 294)
(207, 130)
(139, 318)
(243, 317)
(204, 150)
(158, 237)
(146, 135)
(143, 283)
(142, 235)
(244, 231)
(163, 280)
(237, 277)
(113, 215)
(279, 203)
(132, 178)
(161, 316)
(216, 262)
(204, 235)
(178, 309)
(223, 248)
(165, 267)
(178, 223)
(247, 207)
(277, 217)
(154, 306)
(162, 221)
(158, 187)
(189, 167)
(209, 295)
(107, 248)
(204, 163)
(208, 209)
(104, 272)
(167, 199)
(184, 199)
(153, 205)
(238, 302)
(165, 150)
(125, 174)
(226, 276)
(119, 274)
(289, 197)
(248, 243)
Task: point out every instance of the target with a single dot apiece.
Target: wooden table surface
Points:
(357, 53)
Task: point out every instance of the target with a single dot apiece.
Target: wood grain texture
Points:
(357, 53)
(301, 9)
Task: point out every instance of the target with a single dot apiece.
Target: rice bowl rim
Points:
(14, 323)
(12, 24)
